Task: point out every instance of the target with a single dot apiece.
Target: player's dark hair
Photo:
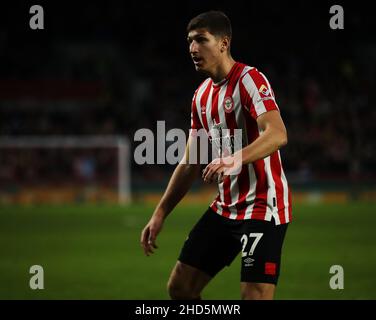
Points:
(216, 22)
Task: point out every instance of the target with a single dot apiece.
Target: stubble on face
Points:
(204, 50)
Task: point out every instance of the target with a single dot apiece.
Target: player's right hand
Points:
(150, 233)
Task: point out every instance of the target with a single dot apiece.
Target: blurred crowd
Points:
(112, 71)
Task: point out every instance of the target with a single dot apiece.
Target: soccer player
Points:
(253, 208)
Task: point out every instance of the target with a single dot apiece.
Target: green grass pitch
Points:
(93, 252)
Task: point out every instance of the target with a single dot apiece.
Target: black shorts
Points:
(215, 241)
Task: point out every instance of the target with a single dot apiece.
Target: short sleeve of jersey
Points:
(256, 93)
(195, 120)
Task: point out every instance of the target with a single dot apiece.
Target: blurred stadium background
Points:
(76, 204)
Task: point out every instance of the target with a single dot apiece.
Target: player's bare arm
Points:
(273, 137)
(179, 184)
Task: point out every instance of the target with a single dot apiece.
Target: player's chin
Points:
(200, 68)
(197, 67)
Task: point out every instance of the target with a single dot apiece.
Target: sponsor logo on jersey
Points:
(264, 90)
(263, 99)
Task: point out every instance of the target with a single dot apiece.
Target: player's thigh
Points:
(261, 252)
(187, 278)
(210, 245)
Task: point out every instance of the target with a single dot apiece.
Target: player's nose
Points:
(193, 48)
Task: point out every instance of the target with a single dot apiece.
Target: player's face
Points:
(204, 49)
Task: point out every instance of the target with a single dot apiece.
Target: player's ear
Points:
(225, 45)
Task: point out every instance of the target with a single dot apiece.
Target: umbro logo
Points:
(248, 262)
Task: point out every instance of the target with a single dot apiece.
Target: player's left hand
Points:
(219, 168)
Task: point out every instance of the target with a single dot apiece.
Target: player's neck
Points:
(222, 69)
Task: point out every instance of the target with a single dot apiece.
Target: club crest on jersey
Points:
(228, 104)
(264, 90)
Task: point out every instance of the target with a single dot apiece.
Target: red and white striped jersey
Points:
(260, 191)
